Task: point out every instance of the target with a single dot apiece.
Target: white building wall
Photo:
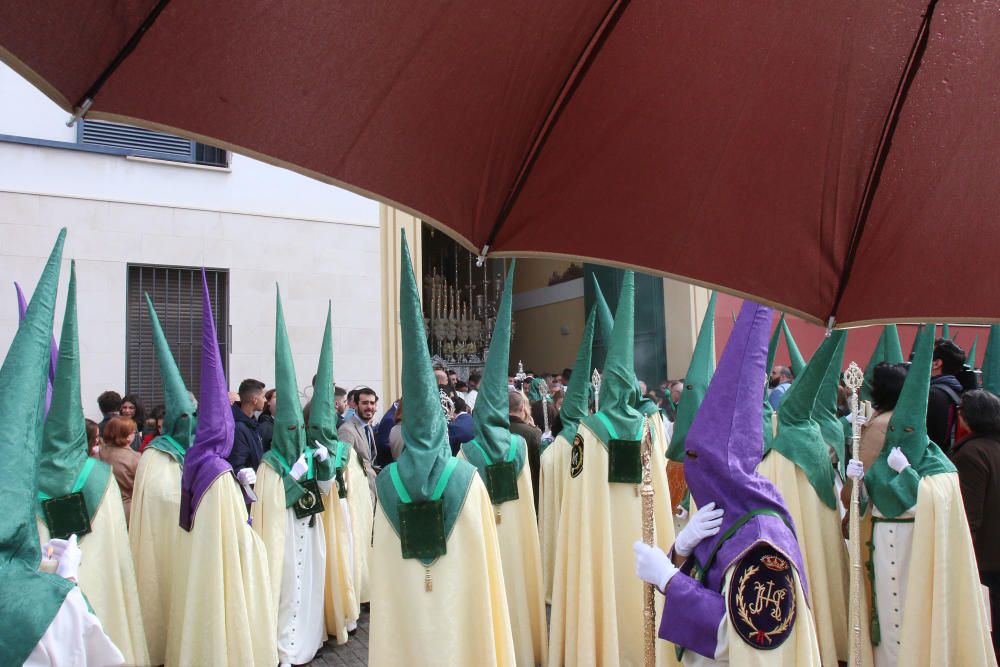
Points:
(262, 223)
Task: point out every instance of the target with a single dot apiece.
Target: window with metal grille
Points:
(129, 140)
(176, 295)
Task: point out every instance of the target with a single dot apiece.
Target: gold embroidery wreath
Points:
(741, 606)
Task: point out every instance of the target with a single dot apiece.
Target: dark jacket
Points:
(978, 461)
(265, 429)
(461, 429)
(533, 436)
(247, 445)
(383, 451)
(940, 409)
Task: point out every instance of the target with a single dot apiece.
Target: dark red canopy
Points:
(835, 158)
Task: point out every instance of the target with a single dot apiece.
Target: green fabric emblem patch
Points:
(67, 515)
(576, 457)
(624, 462)
(311, 501)
(501, 482)
(421, 528)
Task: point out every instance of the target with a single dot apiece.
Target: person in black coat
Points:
(247, 445)
(265, 422)
(977, 458)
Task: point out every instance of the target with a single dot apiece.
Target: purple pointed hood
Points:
(22, 307)
(206, 460)
(725, 445)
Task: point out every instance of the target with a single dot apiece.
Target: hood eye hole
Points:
(691, 454)
(292, 427)
(908, 429)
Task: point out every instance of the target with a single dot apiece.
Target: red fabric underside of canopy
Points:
(728, 146)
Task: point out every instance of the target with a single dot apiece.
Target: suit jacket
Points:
(352, 431)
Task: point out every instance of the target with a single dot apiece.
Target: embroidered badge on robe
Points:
(576, 457)
(762, 598)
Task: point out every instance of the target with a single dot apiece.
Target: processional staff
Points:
(854, 378)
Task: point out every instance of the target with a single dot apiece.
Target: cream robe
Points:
(825, 557)
(296, 556)
(597, 601)
(800, 649)
(522, 568)
(153, 533)
(221, 610)
(107, 576)
(362, 514)
(553, 472)
(942, 605)
(341, 607)
(464, 620)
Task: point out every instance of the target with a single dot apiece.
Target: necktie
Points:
(371, 442)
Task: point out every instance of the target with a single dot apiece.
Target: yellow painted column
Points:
(391, 222)
(684, 306)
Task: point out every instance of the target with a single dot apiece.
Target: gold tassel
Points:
(428, 584)
(497, 515)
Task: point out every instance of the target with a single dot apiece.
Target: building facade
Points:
(145, 212)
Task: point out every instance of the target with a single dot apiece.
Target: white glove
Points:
(861, 420)
(652, 565)
(855, 469)
(67, 553)
(704, 523)
(322, 453)
(897, 460)
(300, 468)
(246, 476)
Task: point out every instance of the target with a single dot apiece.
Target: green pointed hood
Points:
(64, 438)
(323, 414)
(825, 410)
(605, 321)
(576, 404)
(799, 438)
(913, 348)
(971, 358)
(30, 599)
(887, 349)
(991, 361)
(798, 362)
(491, 418)
(179, 421)
(289, 440)
(426, 454)
(289, 437)
(772, 346)
(617, 417)
(946, 331)
(696, 381)
(894, 493)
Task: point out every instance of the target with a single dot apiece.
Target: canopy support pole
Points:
(83, 106)
(882, 151)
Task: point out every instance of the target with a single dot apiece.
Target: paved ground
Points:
(352, 654)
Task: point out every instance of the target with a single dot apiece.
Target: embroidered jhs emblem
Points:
(762, 598)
